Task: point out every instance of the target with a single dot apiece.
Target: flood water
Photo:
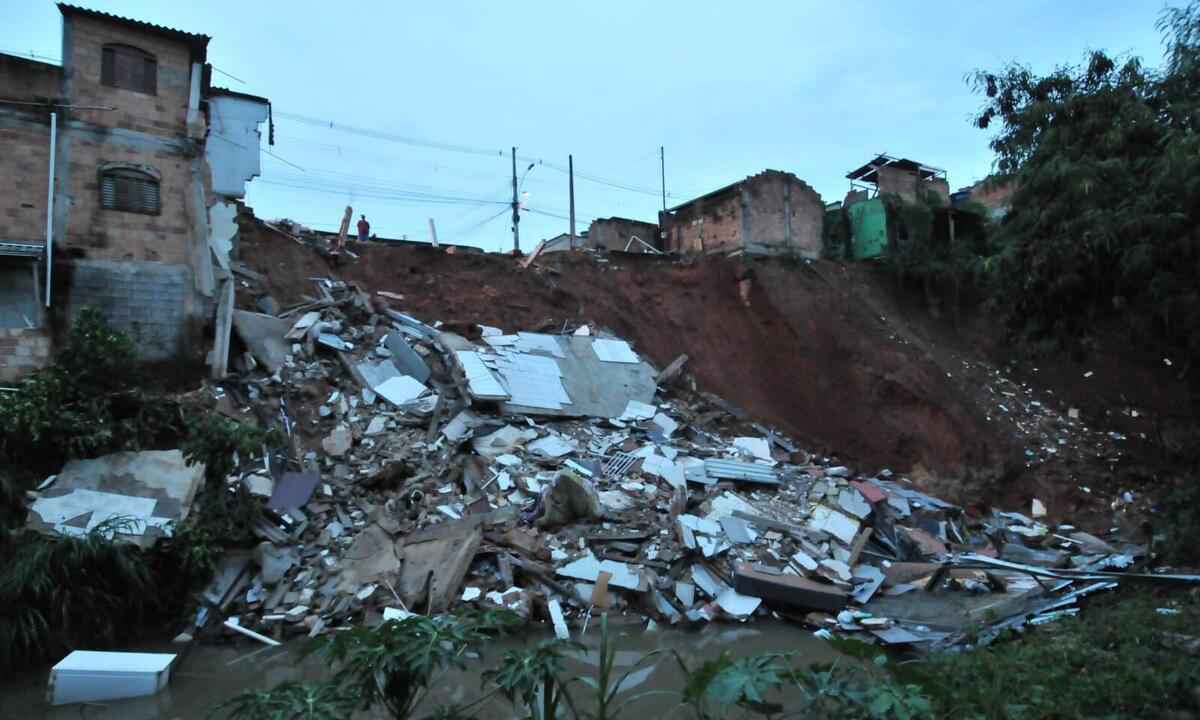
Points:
(209, 674)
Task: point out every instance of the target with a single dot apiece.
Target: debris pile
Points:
(559, 475)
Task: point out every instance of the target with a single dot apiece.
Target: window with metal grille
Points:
(129, 191)
(127, 67)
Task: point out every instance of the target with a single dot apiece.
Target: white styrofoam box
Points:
(89, 675)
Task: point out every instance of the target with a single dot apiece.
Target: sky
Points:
(408, 111)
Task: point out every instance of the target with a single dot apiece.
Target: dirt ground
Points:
(830, 353)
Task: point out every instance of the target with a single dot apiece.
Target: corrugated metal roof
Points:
(199, 42)
(734, 470)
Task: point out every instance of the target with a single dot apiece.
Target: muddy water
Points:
(209, 674)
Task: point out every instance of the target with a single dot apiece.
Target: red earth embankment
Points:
(806, 353)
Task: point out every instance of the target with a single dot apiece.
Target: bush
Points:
(88, 403)
(58, 593)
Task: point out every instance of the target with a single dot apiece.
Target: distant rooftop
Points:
(869, 173)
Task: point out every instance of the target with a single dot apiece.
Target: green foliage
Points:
(524, 675)
(713, 688)
(290, 701)
(1181, 522)
(88, 403)
(393, 665)
(63, 592)
(1111, 663)
(605, 686)
(221, 443)
(1106, 214)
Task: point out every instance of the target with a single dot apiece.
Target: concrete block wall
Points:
(22, 351)
(24, 173)
(147, 300)
(784, 215)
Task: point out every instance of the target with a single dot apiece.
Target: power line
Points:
(413, 198)
(390, 137)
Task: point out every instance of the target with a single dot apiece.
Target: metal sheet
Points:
(734, 470)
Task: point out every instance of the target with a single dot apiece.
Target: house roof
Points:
(198, 43)
(214, 90)
(868, 173)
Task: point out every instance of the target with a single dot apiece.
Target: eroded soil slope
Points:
(803, 351)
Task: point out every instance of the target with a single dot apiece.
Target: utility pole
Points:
(433, 233)
(516, 220)
(571, 185)
(662, 163)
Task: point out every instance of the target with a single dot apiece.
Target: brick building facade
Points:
(129, 232)
(773, 213)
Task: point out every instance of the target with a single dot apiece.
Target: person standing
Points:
(364, 228)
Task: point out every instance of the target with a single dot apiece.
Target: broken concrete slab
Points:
(827, 520)
(435, 564)
(264, 335)
(339, 440)
(274, 561)
(503, 441)
(150, 489)
(400, 390)
(595, 388)
(372, 557)
(294, 490)
(589, 568)
(406, 359)
(789, 590)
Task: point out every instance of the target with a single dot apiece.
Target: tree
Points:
(1107, 166)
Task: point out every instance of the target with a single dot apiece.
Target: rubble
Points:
(561, 475)
(144, 493)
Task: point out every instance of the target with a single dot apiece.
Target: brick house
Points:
(107, 188)
(870, 234)
(771, 213)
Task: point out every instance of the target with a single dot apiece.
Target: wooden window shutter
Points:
(149, 196)
(108, 62)
(129, 68)
(129, 190)
(149, 75)
(108, 192)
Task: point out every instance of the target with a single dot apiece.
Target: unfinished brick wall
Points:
(772, 212)
(25, 79)
(709, 224)
(100, 234)
(164, 113)
(22, 351)
(615, 234)
(24, 173)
